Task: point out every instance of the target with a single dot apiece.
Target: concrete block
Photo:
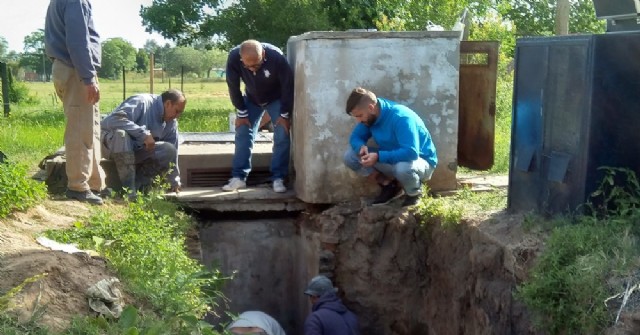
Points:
(418, 69)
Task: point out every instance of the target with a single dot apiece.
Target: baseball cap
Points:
(319, 285)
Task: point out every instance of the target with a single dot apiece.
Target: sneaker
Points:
(278, 186)
(389, 192)
(105, 193)
(234, 184)
(411, 200)
(84, 196)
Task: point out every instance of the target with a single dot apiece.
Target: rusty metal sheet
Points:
(476, 125)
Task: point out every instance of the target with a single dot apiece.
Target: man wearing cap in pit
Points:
(329, 316)
(255, 323)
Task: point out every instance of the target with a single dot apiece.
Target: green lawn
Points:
(34, 131)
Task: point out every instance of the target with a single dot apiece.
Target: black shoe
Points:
(389, 192)
(411, 200)
(84, 196)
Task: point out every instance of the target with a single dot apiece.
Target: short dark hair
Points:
(172, 95)
(358, 97)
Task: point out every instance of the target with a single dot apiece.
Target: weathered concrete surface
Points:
(270, 265)
(252, 199)
(402, 278)
(419, 69)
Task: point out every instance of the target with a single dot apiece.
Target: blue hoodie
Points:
(400, 134)
(330, 317)
(70, 37)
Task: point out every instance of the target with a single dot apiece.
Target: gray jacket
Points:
(71, 38)
(141, 115)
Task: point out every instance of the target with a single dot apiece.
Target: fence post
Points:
(182, 78)
(4, 75)
(124, 84)
(152, 67)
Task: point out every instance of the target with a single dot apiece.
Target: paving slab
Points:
(252, 199)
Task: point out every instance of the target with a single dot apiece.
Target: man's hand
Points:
(93, 93)
(242, 121)
(364, 150)
(369, 160)
(149, 143)
(284, 123)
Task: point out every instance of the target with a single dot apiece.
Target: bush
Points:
(17, 191)
(587, 259)
(19, 93)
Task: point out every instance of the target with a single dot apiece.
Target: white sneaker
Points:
(234, 184)
(278, 186)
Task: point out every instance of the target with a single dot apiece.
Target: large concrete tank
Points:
(418, 69)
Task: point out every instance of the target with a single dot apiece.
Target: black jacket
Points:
(273, 81)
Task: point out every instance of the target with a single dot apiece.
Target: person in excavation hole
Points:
(255, 323)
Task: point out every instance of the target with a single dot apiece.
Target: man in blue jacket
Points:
(73, 44)
(329, 316)
(405, 156)
(268, 82)
(141, 137)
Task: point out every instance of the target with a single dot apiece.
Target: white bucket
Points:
(232, 122)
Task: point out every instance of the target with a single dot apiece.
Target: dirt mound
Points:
(59, 296)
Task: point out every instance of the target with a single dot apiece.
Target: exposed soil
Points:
(59, 296)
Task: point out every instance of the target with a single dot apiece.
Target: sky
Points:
(112, 18)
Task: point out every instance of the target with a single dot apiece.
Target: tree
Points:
(151, 46)
(537, 17)
(142, 61)
(4, 47)
(116, 53)
(34, 57)
(184, 57)
(271, 21)
(214, 59)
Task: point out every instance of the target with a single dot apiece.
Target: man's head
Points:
(318, 286)
(174, 103)
(252, 55)
(362, 104)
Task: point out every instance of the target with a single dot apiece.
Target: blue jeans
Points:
(245, 137)
(409, 174)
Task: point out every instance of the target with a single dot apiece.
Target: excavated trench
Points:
(399, 276)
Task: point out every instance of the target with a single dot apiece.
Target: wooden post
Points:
(124, 84)
(152, 66)
(182, 78)
(4, 75)
(563, 10)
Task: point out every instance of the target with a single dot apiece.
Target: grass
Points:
(32, 132)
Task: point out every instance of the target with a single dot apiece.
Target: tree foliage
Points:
(537, 17)
(271, 21)
(34, 57)
(116, 53)
(142, 61)
(4, 47)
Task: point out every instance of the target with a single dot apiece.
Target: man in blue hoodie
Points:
(268, 83)
(405, 156)
(329, 316)
(72, 43)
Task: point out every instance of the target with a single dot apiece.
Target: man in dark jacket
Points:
(328, 315)
(268, 84)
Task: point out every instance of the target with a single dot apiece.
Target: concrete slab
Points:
(209, 164)
(253, 199)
